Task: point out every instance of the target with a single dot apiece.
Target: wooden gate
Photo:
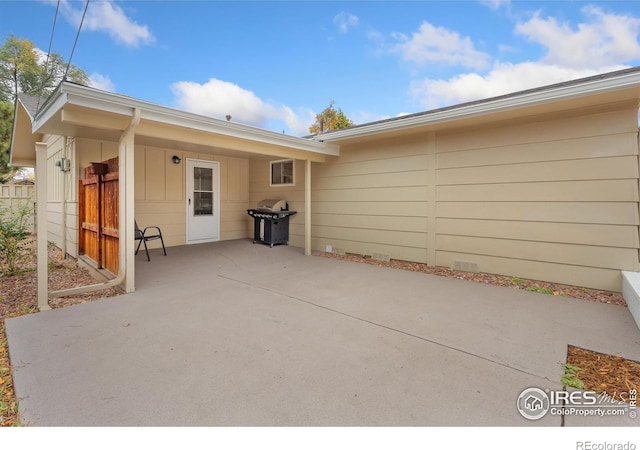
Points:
(98, 214)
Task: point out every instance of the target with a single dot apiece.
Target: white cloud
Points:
(504, 78)
(107, 16)
(431, 44)
(217, 98)
(495, 4)
(101, 82)
(345, 20)
(601, 43)
(604, 39)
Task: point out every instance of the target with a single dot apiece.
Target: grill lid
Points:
(270, 204)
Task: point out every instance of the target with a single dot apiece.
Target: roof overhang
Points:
(23, 140)
(74, 110)
(614, 87)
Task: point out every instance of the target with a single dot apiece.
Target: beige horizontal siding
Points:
(546, 191)
(373, 208)
(569, 212)
(554, 252)
(374, 195)
(389, 180)
(571, 233)
(372, 235)
(373, 199)
(399, 164)
(618, 120)
(415, 254)
(591, 277)
(566, 149)
(581, 169)
(379, 222)
(553, 197)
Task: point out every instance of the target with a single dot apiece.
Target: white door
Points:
(203, 201)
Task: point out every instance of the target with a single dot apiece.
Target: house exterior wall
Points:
(373, 199)
(160, 193)
(159, 190)
(552, 198)
(259, 175)
(62, 195)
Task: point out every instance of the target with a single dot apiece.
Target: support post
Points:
(41, 224)
(307, 207)
(126, 203)
(432, 205)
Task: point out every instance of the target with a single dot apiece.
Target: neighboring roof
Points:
(621, 79)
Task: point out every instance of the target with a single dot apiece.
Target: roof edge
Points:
(75, 94)
(596, 84)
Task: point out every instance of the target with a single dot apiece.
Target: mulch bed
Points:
(602, 373)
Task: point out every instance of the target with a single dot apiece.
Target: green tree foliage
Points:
(330, 119)
(6, 123)
(25, 69)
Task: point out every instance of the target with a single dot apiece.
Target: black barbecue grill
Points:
(271, 222)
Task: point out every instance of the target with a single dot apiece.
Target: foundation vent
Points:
(465, 266)
(381, 257)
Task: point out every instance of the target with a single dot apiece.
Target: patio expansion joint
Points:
(389, 328)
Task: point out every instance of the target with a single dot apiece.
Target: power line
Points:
(46, 64)
(86, 6)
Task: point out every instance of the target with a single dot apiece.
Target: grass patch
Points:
(570, 377)
(540, 290)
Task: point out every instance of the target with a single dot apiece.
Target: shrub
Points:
(13, 231)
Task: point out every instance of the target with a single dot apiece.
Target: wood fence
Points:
(13, 196)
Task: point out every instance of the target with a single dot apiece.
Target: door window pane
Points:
(202, 179)
(202, 191)
(203, 203)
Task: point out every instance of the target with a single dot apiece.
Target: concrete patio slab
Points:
(232, 333)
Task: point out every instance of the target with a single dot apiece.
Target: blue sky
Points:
(274, 64)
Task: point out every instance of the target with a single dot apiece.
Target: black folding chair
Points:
(144, 235)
